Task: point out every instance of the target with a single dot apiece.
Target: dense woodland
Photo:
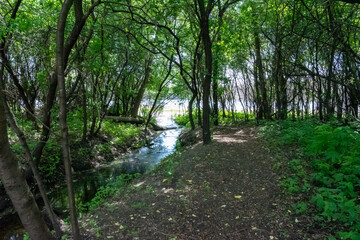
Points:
(60, 60)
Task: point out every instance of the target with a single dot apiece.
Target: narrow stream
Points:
(86, 183)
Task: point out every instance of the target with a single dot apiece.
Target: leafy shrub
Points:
(81, 157)
(333, 155)
(183, 120)
(50, 161)
(105, 151)
(110, 189)
(122, 134)
(75, 124)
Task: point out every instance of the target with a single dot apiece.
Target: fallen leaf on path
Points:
(238, 196)
(117, 224)
(139, 184)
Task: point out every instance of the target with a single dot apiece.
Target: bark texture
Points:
(16, 186)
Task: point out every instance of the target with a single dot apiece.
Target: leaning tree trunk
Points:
(16, 186)
(34, 169)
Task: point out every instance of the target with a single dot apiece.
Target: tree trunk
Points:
(51, 94)
(60, 67)
(261, 77)
(205, 36)
(34, 170)
(215, 83)
(139, 96)
(191, 117)
(16, 186)
(258, 104)
(84, 107)
(198, 108)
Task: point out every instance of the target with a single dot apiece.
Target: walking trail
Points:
(225, 190)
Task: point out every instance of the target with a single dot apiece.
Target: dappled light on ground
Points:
(237, 137)
(226, 139)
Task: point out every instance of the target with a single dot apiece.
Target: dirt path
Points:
(226, 190)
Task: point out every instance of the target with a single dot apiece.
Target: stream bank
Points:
(86, 183)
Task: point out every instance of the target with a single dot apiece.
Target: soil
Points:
(225, 190)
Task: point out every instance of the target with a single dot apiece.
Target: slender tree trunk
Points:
(84, 107)
(140, 94)
(60, 67)
(198, 108)
(155, 101)
(215, 83)
(191, 117)
(94, 108)
(329, 88)
(53, 81)
(46, 118)
(223, 106)
(293, 103)
(258, 103)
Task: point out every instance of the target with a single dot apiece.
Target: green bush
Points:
(183, 120)
(75, 124)
(122, 134)
(110, 189)
(105, 150)
(50, 161)
(332, 153)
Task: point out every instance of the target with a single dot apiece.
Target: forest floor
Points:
(225, 190)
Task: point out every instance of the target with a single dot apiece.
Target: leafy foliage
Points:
(121, 134)
(107, 191)
(332, 154)
(231, 118)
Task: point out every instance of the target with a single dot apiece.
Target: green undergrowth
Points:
(323, 169)
(230, 118)
(121, 134)
(108, 190)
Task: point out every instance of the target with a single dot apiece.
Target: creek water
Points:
(87, 183)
